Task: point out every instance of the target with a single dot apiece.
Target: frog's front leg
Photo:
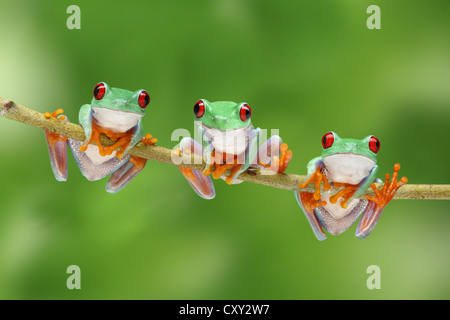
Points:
(57, 148)
(201, 183)
(316, 176)
(129, 170)
(85, 120)
(274, 154)
(378, 203)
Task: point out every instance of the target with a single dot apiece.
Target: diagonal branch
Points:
(13, 111)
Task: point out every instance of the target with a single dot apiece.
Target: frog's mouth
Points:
(232, 141)
(115, 120)
(347, 167)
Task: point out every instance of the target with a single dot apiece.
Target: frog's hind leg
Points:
(122, 176)
(92, 165)
(307, 203)
(128, 171)
(201, 183)
(57, 148)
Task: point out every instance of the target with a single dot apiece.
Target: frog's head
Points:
(349, 160)
(222, 115)
(120, 99)
(367, 147)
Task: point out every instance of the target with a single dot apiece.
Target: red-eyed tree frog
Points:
(229, 142)
(116, 113)
(351, 164)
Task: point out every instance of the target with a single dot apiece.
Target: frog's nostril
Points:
(219, 118)
(351, 146)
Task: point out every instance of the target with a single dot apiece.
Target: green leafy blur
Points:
(305, 68)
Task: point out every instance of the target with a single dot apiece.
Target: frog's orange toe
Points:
(177, 152)
(286, 157)
(188, 173)
(149, 140)
(55, 114)
(347, 193)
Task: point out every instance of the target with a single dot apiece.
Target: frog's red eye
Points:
(245, 113)
(374, 144)
(144, 99)
(199, 109)
(99, 91)
(327, 140)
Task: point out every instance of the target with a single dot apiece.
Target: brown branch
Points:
(13, 111)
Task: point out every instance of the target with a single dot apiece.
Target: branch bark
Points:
(16, 112)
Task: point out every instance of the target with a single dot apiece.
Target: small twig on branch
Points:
(13, 111)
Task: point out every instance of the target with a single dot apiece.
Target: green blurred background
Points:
(305, 67)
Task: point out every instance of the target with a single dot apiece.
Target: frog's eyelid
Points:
(135, 96)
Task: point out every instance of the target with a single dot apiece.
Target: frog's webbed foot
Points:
(234, 170)
(148, 139)
(129, 170)
(285, 158)
(279, 163)
(201, 183)
(316, 177)
(274, 155)
(347, 193)
(384, 196)
(217, 169)
(57, 148)
(378, 202)
(209, 169)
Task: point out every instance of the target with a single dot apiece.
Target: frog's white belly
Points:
(229, 141)
(115, 120)
(93, 154)
(347, 167)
